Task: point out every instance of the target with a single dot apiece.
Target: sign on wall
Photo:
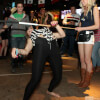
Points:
(28, 1)
(41, 3)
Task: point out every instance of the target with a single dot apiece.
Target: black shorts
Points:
(85, 36)
(5, 35)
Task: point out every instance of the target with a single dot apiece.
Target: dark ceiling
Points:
(61, 4)
(65, 4)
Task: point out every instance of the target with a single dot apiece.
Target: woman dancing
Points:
(88, 23)
(45, 46)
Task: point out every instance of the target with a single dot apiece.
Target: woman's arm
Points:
(25, 51)
(65, 19)
(60, 33)
(96, 20)
(99, 19)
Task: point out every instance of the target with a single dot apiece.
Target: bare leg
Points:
(88, 54)
(2, 48)
(82, 55)
(6, 47)
(56, 66)
(89, 67)
(83, 64)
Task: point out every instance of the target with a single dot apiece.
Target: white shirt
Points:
(72, 17)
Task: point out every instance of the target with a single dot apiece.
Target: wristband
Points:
(16, 52)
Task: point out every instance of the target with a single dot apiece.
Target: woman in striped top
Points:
(45, 46)
(96, 48)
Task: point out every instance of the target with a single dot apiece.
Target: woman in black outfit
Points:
(4, 37)
(45, 46)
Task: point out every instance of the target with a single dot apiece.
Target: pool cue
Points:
(26, 23)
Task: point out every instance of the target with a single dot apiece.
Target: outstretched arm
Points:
(25, 51)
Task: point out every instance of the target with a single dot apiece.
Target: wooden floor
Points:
(12, 85)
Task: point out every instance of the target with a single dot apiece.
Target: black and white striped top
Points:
(46, 32)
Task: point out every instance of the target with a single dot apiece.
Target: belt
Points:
(87, 32)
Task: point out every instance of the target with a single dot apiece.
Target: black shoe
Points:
(13, 70)
(20, 65)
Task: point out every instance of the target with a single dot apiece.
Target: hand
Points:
(54, 23)
(29, 31)
(13, 53)
(78, 29)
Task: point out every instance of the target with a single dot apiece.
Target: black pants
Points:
(69, 40)
(42, 51)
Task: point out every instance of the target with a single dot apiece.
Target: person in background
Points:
(1, 25)
(18, 33)
(4, 37)
(88, 23)
(42, 16)
(96, 48)
(33, 19)
(70, 20)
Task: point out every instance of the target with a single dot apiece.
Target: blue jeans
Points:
(69, 41)
(95, 54)
(18, 42)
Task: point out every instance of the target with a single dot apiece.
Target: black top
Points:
(87, 20)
